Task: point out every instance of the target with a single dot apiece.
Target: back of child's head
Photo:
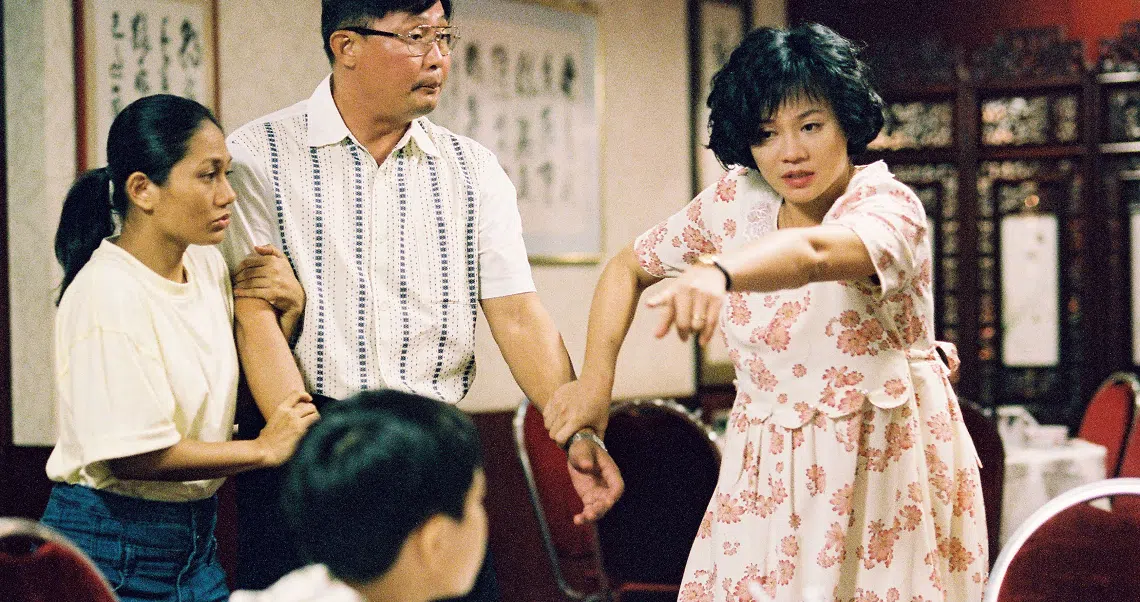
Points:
(373, 469)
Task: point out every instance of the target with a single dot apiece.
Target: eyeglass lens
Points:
(421, 39)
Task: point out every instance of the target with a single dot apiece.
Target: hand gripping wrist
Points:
(584, 433)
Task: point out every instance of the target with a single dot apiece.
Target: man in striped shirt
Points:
(397, 229)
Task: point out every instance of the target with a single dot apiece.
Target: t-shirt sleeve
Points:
(253, 219)
(123, 401)
(503, 265)
(219, 274)
(666, 249)
(889, 219)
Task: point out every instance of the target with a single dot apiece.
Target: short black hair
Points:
(772, 65)
(371, 471)
(338, 14)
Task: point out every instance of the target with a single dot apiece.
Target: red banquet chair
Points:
(1071, 551)
(1129, 506)
(670, 461)
(572, 549)
(37, 564)
(1109, 415)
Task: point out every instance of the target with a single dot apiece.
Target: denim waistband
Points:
(103, 503)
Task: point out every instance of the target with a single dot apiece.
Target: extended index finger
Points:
(668, 312)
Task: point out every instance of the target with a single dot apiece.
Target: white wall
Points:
(39, 102)
(644, 153)
(771, 13)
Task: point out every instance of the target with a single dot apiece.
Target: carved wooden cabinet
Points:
(1028, 164)
(1118, 165)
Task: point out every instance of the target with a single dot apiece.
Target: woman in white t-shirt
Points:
(145, 361)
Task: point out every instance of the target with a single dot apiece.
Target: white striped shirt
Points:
(393, 257)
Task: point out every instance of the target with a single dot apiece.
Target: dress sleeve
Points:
(666, 249)
(253, 218)
(888, 217)
(121, 396)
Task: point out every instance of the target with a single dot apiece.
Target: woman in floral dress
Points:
(848, 473)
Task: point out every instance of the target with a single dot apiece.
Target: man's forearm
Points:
(530, 344)
(269, 367)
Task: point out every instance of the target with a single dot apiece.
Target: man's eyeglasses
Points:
(419, 40)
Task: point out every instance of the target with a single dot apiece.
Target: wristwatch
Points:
(713, 261)
(585, 433)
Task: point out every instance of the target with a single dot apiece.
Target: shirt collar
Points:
(326, 126)
(418, 133)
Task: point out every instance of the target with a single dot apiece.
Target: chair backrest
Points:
(573, 549)
(983, 430)
(37, 564)
(1129, 506)
(1108, 417)
(1069, 550)
(669, 461)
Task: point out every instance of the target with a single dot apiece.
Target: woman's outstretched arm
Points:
(786, 259)
(585, 402)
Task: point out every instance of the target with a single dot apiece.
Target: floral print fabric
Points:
(848, 473)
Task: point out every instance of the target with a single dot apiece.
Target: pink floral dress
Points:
(848, 474)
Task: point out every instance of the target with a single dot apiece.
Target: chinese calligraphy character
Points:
(115, 32)
(140, 43)
(116, 74)
(164, 44)
(190, 53)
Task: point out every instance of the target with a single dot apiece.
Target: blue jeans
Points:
(148, 551)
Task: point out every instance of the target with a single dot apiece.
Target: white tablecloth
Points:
(1035, 475)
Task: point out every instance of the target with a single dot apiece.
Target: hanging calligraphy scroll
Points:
(127, 49)
(716, 28)
(524, 83)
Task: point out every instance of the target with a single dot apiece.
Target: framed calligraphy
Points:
(127, 49)
(524, 83)
(716, 28)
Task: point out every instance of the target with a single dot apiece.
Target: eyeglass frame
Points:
(449, 30)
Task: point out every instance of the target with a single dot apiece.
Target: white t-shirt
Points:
(142, 362)
(394, 258)
(312, 583)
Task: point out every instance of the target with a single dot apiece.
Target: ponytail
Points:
(85, 221)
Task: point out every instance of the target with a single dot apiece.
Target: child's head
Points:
(388, 479)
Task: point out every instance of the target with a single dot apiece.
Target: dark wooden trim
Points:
(902, 157)
(693, 21)
(5, 318)
(29, 485)
(990, 88)
(1097, 220)
(969, 302)
(1030, 153)
(931, 92)
(79, 61)
(217, 60)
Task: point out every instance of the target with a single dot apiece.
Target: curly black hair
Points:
(773, 65)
